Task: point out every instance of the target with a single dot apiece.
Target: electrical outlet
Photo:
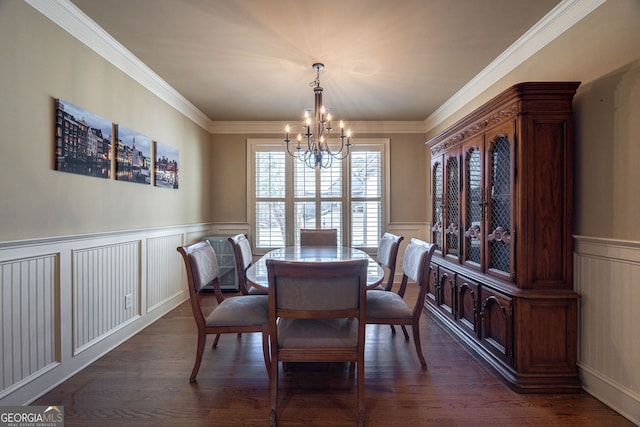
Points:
(128, 301)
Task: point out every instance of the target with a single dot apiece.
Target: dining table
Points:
(257, 274)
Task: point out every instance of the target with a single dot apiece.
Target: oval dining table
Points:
(257, 273)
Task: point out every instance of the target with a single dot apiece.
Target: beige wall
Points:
(602, 52)
(40, 62)
(409, 185)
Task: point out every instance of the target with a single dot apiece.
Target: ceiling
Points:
(251, 60)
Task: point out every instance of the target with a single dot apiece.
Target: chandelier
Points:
(317, 130)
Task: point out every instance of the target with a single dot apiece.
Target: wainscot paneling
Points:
(106, 283)
(66, 301)
(29, 313)
(164, 270)
(607, 277)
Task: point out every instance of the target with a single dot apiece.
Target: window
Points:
(366, 198)
(286, 196)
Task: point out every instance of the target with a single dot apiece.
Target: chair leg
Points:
(404, 331)
(265, 351)
(215, 341)
(361, 399)
(199, 351)
(273, 391)
(393, 329)
(416, 341)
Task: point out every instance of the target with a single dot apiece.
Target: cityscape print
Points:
(166, 166)
(87, 144)
(82, 141)
(133, 156)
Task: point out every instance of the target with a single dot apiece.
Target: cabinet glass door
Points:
(452, 205)
(499, 232)
(473, 204)
(437, 180)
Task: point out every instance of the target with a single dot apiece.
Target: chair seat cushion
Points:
(301, 333)
(387, 305)
(240, 311)
(255, 291)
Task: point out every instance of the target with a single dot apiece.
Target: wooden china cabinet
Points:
(501, 187)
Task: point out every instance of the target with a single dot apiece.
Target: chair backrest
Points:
(317, 313)
(202, 269)
(416, 265)
(318, 237)
(388, 254)
(317, 290)
(243, 257)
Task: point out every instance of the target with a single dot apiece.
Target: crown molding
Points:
(359, 128)
(556, 22)
(66, 15)
(71, 19)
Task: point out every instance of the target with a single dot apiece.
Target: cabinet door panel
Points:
(467, 305)
(432, 285)
(447, 291)
(497, 324)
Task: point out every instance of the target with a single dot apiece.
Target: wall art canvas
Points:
(82, 141)
(166, 166)
(133, 156)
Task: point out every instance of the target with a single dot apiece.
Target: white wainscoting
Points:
(67, 301)
(103, 277)
(164, 279)
(607, 277)
(29, 333)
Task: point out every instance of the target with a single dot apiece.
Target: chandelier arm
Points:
(326, 161)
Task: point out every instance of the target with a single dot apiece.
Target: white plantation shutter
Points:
(317, 198)
(288, 196)
(270, 191)
(366, 198)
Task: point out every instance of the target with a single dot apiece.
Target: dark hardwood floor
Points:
(145, 382)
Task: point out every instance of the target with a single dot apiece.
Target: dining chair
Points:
(317, 314)
(387, 256)
(318, 237)
(390, 308)
(231, 315)
(243, 257)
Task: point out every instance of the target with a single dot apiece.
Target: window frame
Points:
(272, 144)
